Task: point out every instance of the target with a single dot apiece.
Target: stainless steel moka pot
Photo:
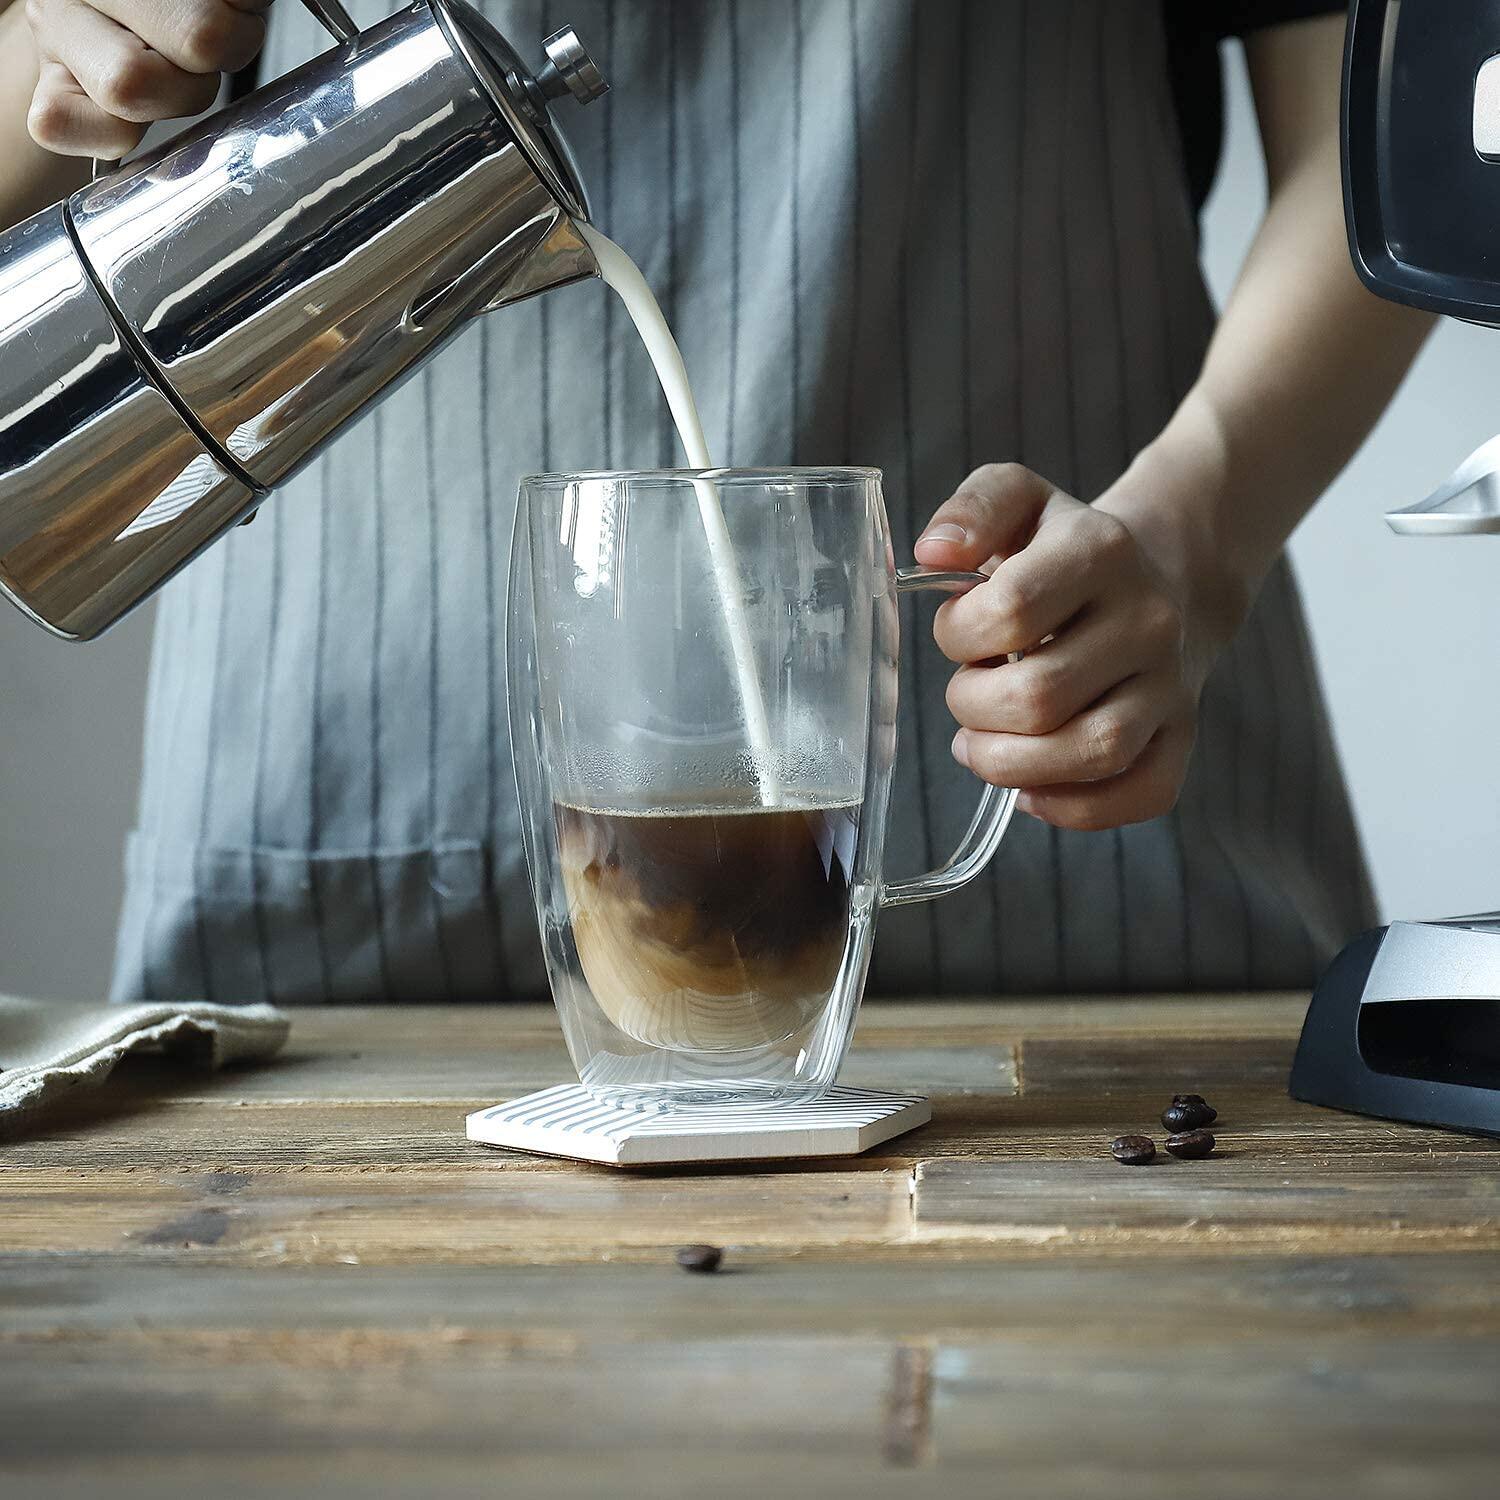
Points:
(186, 332)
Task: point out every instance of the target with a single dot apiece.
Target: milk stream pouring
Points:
(622, 274)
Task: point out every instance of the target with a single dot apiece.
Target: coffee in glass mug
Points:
(704, 759)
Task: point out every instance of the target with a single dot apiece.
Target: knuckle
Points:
(950, 641)
(1108, 746)
(1087, 817)
(130, 89)
(49, 121)
(1078, 814)
(959, 695)
(1112, 538)
(202, 45)
(1007, 611)
(1094, 809)
(1038, 699)
(987, 761)
(213, 40)
(981, 487)
(1008, 475)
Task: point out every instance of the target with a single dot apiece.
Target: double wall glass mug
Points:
(702, 686)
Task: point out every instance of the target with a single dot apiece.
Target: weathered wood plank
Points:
(1417, 1403)
(1156, 1067)
(491, 1065)
(210, 1135)
(1231, 1198)
(483, 1212)
(477, 1054)
(939, 1069)
(1059, 1413)
(354, 1475)
(411, 1029)
(1273, 1014)
(479, 1073)
(447, 1394)
(1346, 1412)
(76, 1300)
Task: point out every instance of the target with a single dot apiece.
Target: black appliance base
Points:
(1405, 1025)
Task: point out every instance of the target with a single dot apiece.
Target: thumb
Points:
(992, 514)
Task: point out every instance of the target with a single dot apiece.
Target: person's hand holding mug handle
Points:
(110, 68)
(1095, 725)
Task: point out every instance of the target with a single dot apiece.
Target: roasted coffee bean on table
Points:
(699, 1257)
(1176, 1117)
(1188, 1112)
(1197, 1100)
(1191, 1144)
(1133, 1150)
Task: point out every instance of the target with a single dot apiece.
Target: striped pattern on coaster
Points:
(569, 1121)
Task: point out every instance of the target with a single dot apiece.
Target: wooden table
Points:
(303, 1279)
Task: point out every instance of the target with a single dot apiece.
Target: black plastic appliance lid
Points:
(1421, 149)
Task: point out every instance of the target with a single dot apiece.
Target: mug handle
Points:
(996, 804)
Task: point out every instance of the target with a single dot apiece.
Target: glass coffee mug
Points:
(703, 680)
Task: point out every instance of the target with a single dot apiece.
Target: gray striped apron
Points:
(918, 235)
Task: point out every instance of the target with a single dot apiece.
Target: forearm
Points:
(30, 178)
(1303, 363)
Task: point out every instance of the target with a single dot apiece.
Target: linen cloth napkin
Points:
(49, 1048)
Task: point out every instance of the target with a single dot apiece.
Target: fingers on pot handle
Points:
(335, 20)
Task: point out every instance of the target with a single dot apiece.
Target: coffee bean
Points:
(703, 1258)
(1176, 1117)
(1199, 1103)
(1191, 1144)
(1133, 1150)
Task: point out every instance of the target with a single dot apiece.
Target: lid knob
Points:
(569, 69)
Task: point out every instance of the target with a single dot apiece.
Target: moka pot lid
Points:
(522, 98)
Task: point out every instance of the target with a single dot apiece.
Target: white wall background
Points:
(1407, 631)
